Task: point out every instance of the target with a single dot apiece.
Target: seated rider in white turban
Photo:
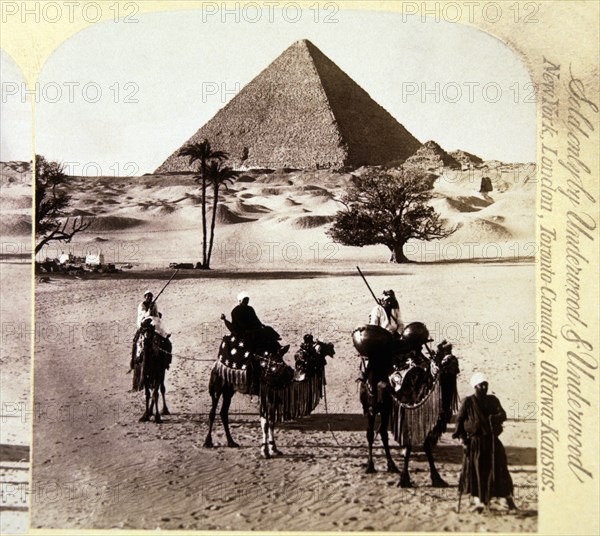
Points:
(386, 313)
(246, 325)
(148, 312)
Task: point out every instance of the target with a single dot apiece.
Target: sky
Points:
(15, 115)
(119, 98)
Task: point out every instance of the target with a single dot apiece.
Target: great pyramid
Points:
(302, 111)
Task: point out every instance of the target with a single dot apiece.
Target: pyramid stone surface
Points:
(431, 156)
(465, 158)
(302, 111)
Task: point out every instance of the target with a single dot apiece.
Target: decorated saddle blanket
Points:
(411, 385)
(238, 362)
(234, 353)
(235, 364)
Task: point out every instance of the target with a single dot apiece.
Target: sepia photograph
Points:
(289, 266)
(16, 194)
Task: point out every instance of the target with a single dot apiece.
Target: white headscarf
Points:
(241, 296)
(477, 378)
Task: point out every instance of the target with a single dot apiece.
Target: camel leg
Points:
(157, 417)
(436, 480)
(264, 449)
(215, 395)
(370, 439)
(405, 481)
(146, 415)
(273, 450)
(383, 432)
(165, 409)
(227, 396)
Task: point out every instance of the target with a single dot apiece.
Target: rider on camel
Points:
(386, 313)
(246, 325)
(147, 314)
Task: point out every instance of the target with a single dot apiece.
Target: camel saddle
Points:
(411, 385)
(371, 340)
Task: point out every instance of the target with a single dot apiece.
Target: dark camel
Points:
(431, 412)
(149, 373)
(274, 394)
(419, 400)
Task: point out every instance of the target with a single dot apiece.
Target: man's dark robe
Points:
(478, 423)
(245, 324)
(244, 319)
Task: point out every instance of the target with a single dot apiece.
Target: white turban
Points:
(148, 292)
(477, 378)
(242, 295)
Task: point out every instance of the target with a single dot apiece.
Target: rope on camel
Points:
(327, 411)
(180, 356)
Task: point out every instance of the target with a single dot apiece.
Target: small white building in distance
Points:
(94, 259)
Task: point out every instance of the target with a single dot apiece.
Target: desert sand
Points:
(15, 352)
(95, 466)
(110, 471)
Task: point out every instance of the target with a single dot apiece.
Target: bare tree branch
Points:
(51, 204)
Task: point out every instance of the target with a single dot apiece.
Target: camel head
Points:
(324, 349)
(445, 359)
(310, 358)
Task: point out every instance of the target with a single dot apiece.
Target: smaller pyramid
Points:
(431, 156)
(466, 159)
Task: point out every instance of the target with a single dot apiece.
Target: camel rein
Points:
(187, 358)
(327, 411)
(179, 356)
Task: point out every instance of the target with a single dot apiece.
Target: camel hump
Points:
(370, 340)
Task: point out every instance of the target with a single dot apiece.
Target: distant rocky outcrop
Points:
(430, 156)
(486, 185)
(15, 172)
(302, 112)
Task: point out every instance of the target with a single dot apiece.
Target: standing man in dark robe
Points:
(485, 469)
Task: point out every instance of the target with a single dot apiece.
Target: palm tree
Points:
(202, 152)
(218, 175)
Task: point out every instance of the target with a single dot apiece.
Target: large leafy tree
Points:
(388, 208)
(51, 203)
(203, 153)
(218, 175)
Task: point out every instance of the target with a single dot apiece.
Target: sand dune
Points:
(304, 201)
(15, 225)
(309, 222)
(468, 203)
(242, 207)
(114, 223)
(227, 216)
(485, 231)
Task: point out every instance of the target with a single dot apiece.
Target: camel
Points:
(149, 371)
(417, 393)
(284, 393)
